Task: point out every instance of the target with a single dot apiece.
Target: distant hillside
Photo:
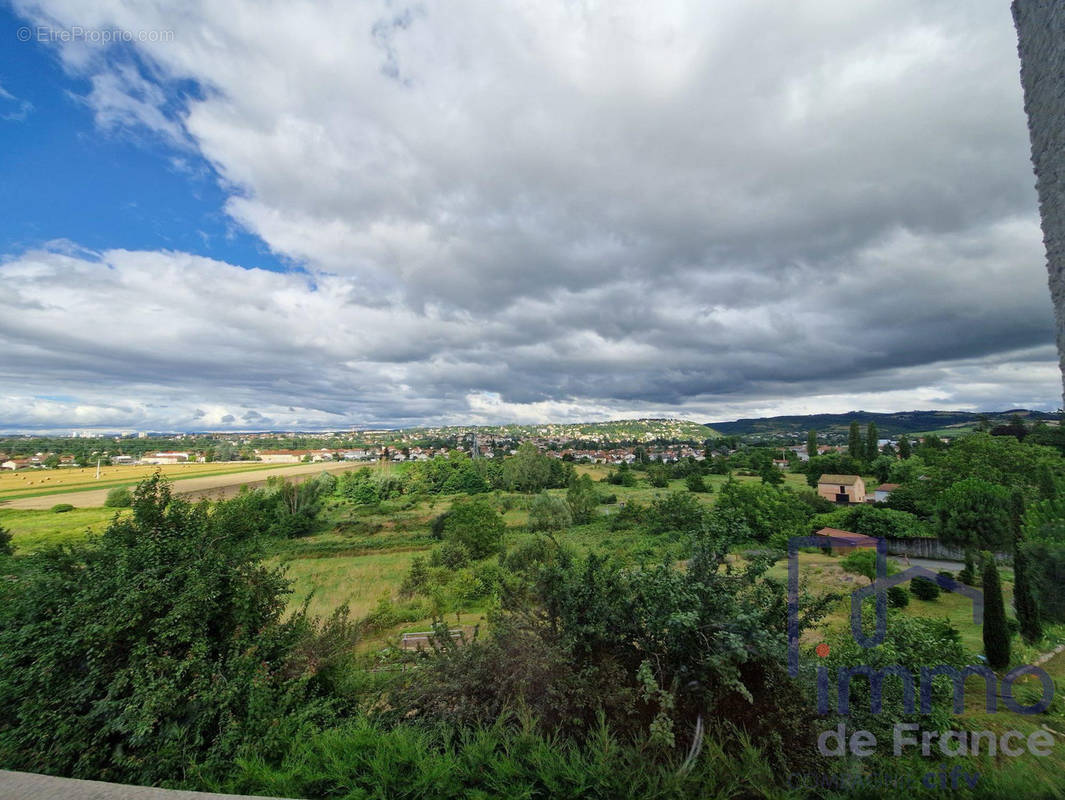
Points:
(887, 424)
(640, 430)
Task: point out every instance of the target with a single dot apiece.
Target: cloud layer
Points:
(517, 211)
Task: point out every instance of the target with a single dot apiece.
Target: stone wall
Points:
(1041, 45)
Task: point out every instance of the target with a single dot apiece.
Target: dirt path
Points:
(214, 487)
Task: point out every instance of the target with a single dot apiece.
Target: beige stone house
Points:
(842, 488)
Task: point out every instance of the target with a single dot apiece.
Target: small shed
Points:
(845, 541)
(883, 491)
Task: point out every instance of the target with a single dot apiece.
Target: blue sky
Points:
(260, 214)
(66, 179)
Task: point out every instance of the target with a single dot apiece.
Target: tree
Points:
(975, 513)
(52, 461)
(1024, 603)
(531, 472)
(872, 450)
(854, 442)
(771, 474)
(6, 547)
(996, 630)
(695, 483)
(582, 498)
(811, 443)
(658, 475)
(476, 524)
(904, 447)
(548, 513)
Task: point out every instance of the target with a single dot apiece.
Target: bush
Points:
(549, 513)
(898, 597)
(924, 589)
(695, 483)
(863, 562)
(162, 644)
(608, 499)
(119, 497)
(451, 554)
(677, 511)
(6, 548)
(62, 508)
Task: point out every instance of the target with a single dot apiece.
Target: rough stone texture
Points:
(1041, 45)
(27, 786)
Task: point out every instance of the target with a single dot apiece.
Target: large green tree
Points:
(476, 524)
(811, 443)
(583, 499)
(974, 513)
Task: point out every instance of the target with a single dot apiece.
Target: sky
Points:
(260, 214)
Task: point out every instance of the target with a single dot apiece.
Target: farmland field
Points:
(41, 489)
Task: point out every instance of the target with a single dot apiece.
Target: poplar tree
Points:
(996, 631)
(1023, 600)
(811, 443)
(854, 446)
(871, 437)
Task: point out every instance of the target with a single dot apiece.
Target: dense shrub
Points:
(924, 589)
(549, 513)
(62, 508)
(873, 521)
(898, 597)
(119, 497)
(863, 562)
(160, 645)
(6, 547)
(677, 511)
(451, 554)
(717, 638)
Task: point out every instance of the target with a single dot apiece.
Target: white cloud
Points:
(581, 209)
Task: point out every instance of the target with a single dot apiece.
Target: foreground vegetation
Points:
(599, 631)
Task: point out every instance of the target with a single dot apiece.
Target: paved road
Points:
(933, 564)
(212, 487)
(28, 786)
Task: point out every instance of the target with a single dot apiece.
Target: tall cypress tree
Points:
(811, 443)
(996, 631)
(854, 445)
(1024, 603)
(904, 447)
(871, 436)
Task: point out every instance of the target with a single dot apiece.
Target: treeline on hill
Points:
(161, 652)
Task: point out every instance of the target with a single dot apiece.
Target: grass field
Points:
(39, 482)
(36, 530)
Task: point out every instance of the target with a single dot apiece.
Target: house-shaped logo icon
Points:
(877, 589)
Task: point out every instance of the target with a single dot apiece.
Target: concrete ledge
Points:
(28, 786)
